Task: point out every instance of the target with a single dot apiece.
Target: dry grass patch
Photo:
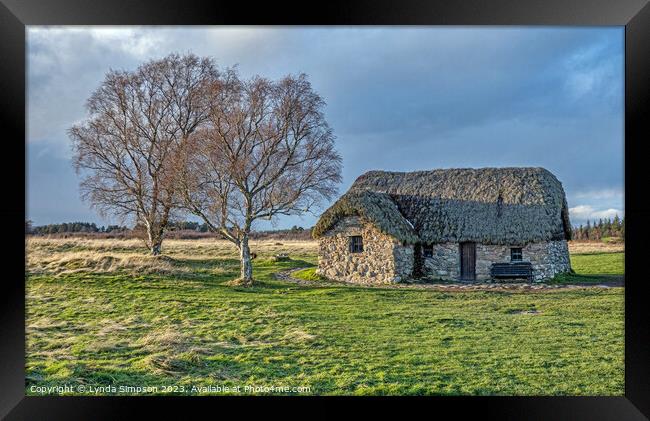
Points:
(166, 339)
(199, 247)
(71, 244)
(45, 323)
(92, 261)
(104, 345)
(590, 247)
(240, 282)
(203, 257)
(163, 364)
(298, 335)
(171, 352)
(111, 327)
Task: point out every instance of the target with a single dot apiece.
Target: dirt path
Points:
(287, 275)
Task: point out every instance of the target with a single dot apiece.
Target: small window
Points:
(515, 254)
(427, 250)
(356, 244)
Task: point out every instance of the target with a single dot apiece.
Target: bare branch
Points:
(138, 121)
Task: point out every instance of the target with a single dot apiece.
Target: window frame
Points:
(355, 244)
(427, 250)
(513, 253)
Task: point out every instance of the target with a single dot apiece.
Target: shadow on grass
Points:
(204, 273)
(204, 263)
(587, 279)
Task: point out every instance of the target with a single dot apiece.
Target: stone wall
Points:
(383, 260)
(552, 259)
(386, 260)
(547, 258)
(445, 263)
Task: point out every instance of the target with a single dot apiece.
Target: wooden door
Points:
(468, 261)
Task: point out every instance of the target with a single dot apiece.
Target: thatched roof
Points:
(488, 205)
(377, 208)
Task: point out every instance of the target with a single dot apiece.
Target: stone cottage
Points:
(451, 224)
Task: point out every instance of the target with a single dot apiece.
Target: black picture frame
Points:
(15, 15)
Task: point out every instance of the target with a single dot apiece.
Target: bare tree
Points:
(138, 122)
(266, 151)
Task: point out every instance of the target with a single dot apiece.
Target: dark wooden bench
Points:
(512, 270)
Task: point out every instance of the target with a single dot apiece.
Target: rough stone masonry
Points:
(385, 260)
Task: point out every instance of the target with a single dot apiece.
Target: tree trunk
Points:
(155, 248)
(155, 242)
(246, 263)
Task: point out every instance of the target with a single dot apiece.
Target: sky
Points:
(398, 98)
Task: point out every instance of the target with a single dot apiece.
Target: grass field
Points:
(599, 265)
(101, 313)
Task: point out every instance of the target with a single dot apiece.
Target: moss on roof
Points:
(488, 205)
(377, 208)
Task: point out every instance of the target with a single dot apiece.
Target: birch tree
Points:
(266, 151)
(137, 123)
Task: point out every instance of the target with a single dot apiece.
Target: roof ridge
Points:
(498, 204)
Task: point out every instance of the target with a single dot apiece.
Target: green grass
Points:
(594, 268)
(612, 240)
(598, 263)
(123, 329)
(308, 274)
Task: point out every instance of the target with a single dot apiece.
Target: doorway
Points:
(468, 261)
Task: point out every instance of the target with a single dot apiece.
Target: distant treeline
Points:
(72, 227)
(188, 225)
(293, 233)
(604, 228)
(177, 230)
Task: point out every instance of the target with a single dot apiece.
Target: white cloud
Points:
(596, 204)
(131, 40)
(66, 63)
(582, 213)
(601, 194)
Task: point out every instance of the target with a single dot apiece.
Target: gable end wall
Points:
(383, 260)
